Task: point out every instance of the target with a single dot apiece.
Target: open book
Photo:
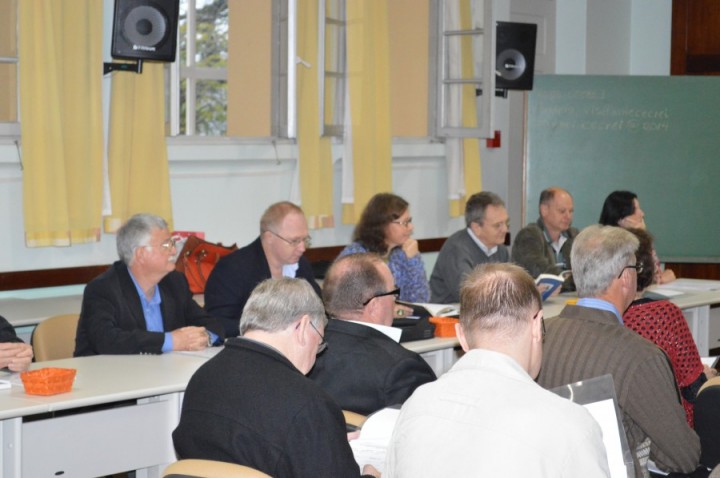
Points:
(549, 283)
(423, 309)
(375, 436)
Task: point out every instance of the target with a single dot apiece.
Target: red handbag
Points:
(197, 260)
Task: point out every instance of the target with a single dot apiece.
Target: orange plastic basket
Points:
(444, 326)
(48, 380)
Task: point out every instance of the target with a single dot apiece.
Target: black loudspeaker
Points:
(515, 55)
(145, 30)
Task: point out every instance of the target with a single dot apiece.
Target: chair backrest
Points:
(54, 337)
(354, 419)
(191, 468)
(707, 422)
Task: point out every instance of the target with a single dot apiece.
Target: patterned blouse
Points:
(663, 323)
(409, 273)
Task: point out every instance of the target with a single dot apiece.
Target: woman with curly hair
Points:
(663, 323)
(385, 228)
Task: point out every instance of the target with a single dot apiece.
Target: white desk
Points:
(695, 304)
(118, 417)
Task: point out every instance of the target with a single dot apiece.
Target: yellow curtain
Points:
(314, 151)
(61, 110)
(470, 147)
(369, 94)
(137, 153)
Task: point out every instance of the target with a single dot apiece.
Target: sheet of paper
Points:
(604, 413)
(375, 435)
(695, 285)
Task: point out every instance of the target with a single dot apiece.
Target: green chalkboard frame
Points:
(656, 136)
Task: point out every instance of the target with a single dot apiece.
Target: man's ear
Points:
(300, 329)
(537, 327)
(460, 332)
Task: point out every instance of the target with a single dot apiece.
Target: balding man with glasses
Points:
(365, 368)
(141, 304)
(277, 252)
(588, 340)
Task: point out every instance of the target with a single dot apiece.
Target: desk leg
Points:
(11, 453)
(698, 319)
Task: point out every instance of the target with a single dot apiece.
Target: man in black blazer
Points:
(251, 404)
(364, 369)
(140, 304)
(277, 252)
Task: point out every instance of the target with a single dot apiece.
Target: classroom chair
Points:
(210, 469)
(354, 419)
(707, 422)
(54, 337)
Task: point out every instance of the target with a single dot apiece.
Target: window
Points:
(212, 94)
(332, 50)
(466, 59)
(9, 121)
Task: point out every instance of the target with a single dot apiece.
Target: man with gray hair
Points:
(141, 304)
(589, 339)
(252, 405)
(366, 369)
(277, 252)
(491, 417)
(481, 242)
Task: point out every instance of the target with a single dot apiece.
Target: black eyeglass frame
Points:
(395, 292)
(638, 268)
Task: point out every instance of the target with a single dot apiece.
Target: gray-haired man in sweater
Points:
(589, 339)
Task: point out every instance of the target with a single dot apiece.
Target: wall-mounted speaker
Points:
(515, 55)
(145, 30)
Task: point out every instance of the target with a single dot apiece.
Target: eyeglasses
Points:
(395, 292)
(638, 268)
(294, 242)
(405, 223)
(322, 345)
(499, 225)
(167, 245)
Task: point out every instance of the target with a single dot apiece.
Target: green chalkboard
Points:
(656, 136)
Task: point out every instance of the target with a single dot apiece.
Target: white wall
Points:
(222, 187)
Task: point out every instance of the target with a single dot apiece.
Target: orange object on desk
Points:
(48, 380)
(444, 326)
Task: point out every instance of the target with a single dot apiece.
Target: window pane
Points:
(8, 90)
(8, 33)
(211, 33)
(210, 108)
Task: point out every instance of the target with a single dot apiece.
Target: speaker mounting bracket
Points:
(135, 67)
(499, 92)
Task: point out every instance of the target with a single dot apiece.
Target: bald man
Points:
(544, 247)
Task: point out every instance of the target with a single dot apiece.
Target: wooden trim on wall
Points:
(16, 280)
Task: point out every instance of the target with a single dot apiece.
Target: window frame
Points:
(439, 46)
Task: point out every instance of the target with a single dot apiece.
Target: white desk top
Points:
(21, 312)
(104, 379)
(687, 299)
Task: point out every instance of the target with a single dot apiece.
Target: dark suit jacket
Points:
(7, 332)
(234, 278)
(364, 370)
(112, 320)
(250, 405)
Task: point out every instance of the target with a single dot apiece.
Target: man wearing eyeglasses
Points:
(277, 252)
(141, 304)
(364, 368)
(252, 405)
(481, 242)
(486, 416)
(589, 339)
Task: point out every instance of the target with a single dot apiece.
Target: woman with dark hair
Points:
(622, 208)
(385, 227)
(663, 323)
